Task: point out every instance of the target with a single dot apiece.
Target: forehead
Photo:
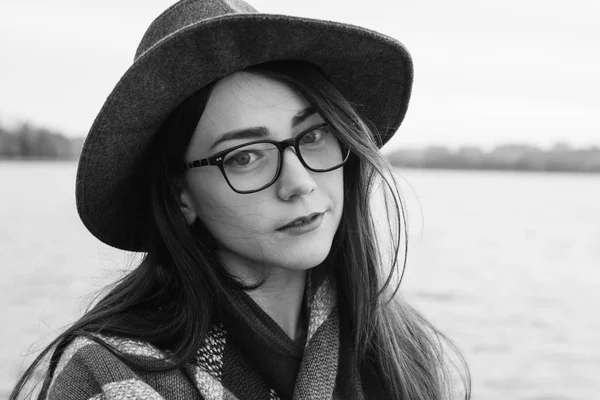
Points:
(244, 100)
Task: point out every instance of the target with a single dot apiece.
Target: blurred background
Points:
(499, 157)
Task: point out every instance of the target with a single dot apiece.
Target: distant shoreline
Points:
(402, 167)
(38, 159)
(512, 157)
(466, 169)
(31, 143)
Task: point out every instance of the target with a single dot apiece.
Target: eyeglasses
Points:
(254, 166)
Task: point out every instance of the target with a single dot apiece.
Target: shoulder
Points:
(88, 369)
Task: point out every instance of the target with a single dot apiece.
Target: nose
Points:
(294, 179)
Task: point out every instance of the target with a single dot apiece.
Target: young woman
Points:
(240, 154)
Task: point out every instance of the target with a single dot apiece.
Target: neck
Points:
(282, 297)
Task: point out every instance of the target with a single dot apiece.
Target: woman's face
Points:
(250, 227)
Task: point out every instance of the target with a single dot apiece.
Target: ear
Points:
(187, 207)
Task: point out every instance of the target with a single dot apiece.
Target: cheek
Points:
(332, 185)
(229, 215)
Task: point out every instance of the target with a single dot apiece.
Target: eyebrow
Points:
(257, 132)
(303, 115)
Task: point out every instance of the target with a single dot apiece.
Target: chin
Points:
(305, 258)
(307, 251)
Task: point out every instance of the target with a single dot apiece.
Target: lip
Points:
(313, 221)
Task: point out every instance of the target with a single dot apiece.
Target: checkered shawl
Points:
(230, 364)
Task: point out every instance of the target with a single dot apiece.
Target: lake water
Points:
(506, 264)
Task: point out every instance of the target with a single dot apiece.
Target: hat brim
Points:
(372, 71)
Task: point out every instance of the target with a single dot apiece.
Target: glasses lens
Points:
(321, 150)
(251, 167)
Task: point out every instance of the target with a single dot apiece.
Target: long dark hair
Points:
(172, 298)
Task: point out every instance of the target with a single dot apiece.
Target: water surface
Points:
(506, 264)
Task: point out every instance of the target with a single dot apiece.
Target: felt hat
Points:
(195, 42)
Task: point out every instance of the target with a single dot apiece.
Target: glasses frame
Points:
(217, 158)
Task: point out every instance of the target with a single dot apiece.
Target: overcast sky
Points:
(486, 72)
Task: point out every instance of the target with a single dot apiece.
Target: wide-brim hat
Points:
(195, 42)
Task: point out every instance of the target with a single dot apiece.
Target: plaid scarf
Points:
(234, 364)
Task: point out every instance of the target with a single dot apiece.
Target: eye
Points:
(240, 159)
(310, 137)
(315, 135)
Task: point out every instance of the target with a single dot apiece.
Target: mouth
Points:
(302, 222)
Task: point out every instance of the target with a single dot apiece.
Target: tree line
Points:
(27, 141)
(516, 157)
